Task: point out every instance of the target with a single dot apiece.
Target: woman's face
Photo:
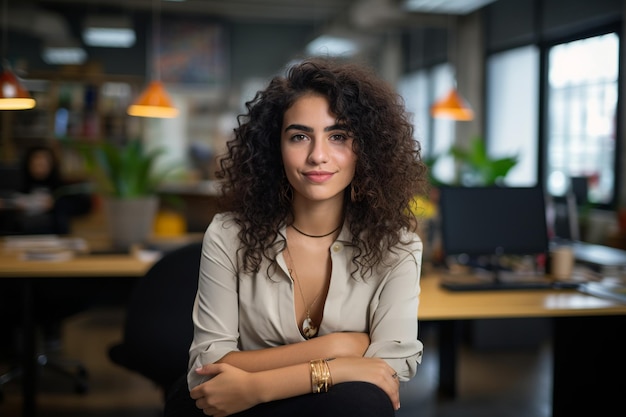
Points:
(317, 152)
(40, 165)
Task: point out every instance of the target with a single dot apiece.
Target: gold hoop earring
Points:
(355, 195)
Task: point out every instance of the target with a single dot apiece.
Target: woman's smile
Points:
(318, 176)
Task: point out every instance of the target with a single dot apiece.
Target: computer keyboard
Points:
(481, 282)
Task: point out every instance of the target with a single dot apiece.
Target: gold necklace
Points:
(309, 330)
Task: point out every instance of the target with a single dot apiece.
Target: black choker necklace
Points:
(315, 236)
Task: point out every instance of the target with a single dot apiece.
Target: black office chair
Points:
(158, 329)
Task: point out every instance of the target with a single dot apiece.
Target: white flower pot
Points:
(130, 221)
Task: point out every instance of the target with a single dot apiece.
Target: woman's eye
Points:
(298, 138)
(338, 137)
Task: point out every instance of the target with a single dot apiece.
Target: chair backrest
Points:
(10, 180)
(158, 328)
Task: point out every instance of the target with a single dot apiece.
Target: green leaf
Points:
(122, 171)
(477, 167)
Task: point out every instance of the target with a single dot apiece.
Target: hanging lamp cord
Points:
(5, 33)
(156, 40)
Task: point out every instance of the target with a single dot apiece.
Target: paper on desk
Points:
(45, 247)
(614, 290)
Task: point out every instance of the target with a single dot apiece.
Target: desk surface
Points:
(80, 266)
(90, 265)
(437, 303)
(11, 266)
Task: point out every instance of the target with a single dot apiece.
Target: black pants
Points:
(358, 399)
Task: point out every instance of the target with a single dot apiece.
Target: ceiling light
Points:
(67, 52)
(453, 105)
(459, 7)
(109, 31)
(329, 45)
(154, 101)
(13, 95)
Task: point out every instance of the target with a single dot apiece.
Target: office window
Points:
(414, 89)
(511, 104)
(419, 90)
(582, 105)
(443, 130)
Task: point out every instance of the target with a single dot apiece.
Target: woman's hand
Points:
(236, 386)
(229, 390)
(372, 370)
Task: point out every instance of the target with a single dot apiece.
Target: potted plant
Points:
(477, 168)
(474, 166)
(126, 179)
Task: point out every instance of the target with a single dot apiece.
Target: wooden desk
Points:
(437, 303)
(26, 273)
(588, 340)
(90, 266)
(573, 314)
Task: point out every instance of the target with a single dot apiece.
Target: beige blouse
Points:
(241, 311)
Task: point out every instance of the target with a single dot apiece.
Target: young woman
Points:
(45, 207)
(308, 291)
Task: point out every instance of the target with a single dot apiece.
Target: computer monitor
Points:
(493, 221)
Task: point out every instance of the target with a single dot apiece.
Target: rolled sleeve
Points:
(215, 334)
(393, 322)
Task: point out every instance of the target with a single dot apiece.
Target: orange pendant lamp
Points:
(452, 106)
(154, 101)
(13, 95)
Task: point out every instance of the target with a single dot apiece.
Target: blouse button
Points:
(337, 247)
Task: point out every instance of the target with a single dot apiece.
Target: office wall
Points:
(259, 50)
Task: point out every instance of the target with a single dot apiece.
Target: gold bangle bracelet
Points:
(321, 380)
(314, 377)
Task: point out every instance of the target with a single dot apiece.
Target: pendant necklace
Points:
(309, 330)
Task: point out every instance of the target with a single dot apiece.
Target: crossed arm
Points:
(242, 379)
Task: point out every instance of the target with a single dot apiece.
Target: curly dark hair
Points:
(389, 170)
